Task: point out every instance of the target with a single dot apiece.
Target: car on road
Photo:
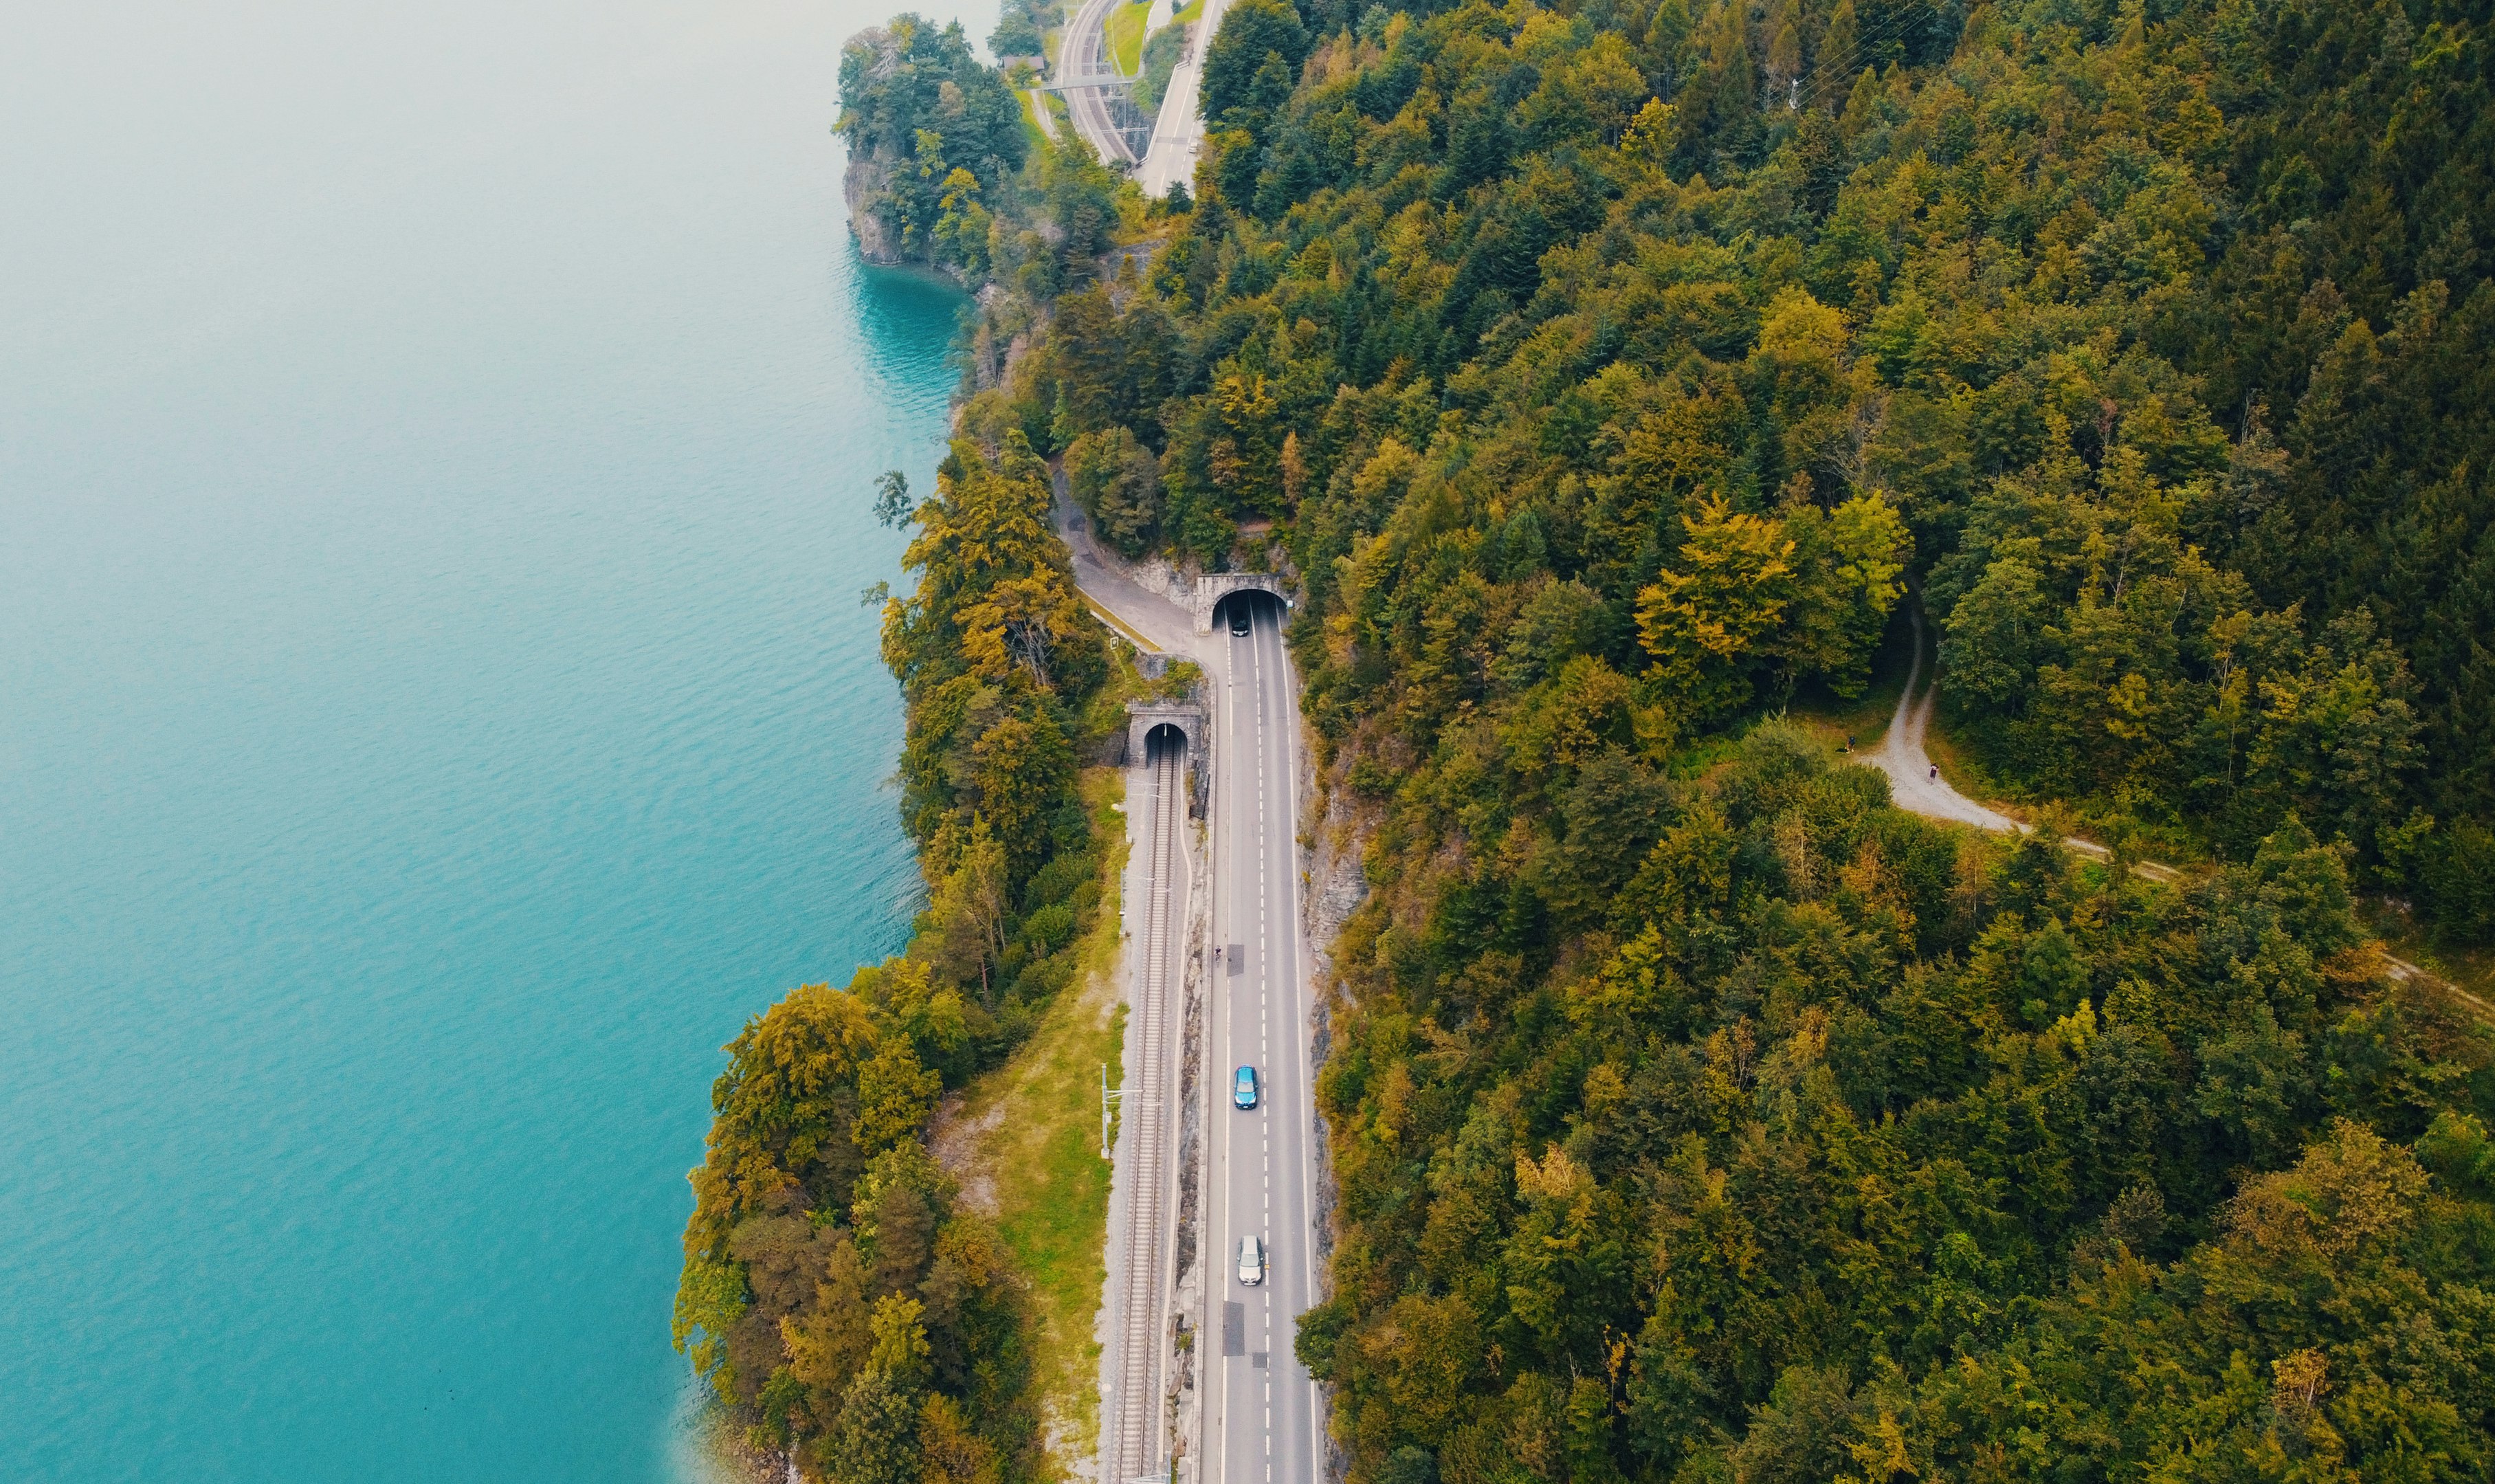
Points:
(1252, 1261)
(1239, 620)
(1243, 1088)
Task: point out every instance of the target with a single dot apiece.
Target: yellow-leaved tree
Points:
(1703, 618)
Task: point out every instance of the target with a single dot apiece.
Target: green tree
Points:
(1251, 30)
(1118, 482)
(876, 1441)
(894, 1094)
(1847, 565)
(1994, 634)
(783, 1110)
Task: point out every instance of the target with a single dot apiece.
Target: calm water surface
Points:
(435, 707)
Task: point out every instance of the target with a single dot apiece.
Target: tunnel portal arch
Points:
(1156, 724)
(1214, 586)
(1252, 596)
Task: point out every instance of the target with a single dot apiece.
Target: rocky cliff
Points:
(866, 186)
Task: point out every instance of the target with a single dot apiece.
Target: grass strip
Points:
(1118, 625)
(1032, 127)
(1034, 1152)
(1126, 36)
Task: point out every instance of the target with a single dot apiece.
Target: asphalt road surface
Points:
(1178, 133)
(1260, 1417)
(1914, 784)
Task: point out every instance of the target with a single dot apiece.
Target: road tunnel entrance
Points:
(1238, 613)
(1214, 591)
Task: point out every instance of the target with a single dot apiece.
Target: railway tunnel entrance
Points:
(1174, 730)
(1143, 1245)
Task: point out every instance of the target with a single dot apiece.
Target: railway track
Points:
(1132, 1443)
(1098, 95)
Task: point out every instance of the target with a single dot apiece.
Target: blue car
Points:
(1243, 1088)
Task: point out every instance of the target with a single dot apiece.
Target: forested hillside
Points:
(2164, 336)
(1611, 374)
(1828, 1146)
(931, 132)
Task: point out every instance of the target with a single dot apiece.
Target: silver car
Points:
(1252, 1261)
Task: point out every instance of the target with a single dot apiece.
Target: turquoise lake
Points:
(435, 705)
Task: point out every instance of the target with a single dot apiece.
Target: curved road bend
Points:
(1918, 788)
(1914, 784)
(1260, 1406)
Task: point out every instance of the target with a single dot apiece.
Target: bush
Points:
(1050, 927)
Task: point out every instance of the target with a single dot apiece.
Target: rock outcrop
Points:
(863, 186)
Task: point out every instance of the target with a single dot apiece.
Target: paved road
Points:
(1261, 1415)
(1164, 625)
(1913, 782)
(1178, 133)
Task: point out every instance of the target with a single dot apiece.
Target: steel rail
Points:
(1130, 1445)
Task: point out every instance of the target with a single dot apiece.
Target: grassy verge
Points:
(1866, 718)
(1126, 36)
(1118, 627)
(1025, 1144)
(1964, 769)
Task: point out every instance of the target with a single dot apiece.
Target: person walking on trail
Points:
(1937, 772)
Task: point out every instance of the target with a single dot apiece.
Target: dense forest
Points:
(1611, 376)
(2161, 339)
(1809, 1143)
